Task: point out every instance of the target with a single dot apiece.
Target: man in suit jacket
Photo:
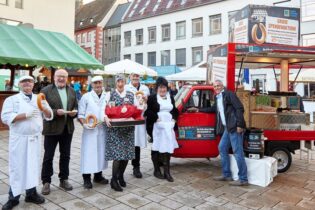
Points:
(63, 102)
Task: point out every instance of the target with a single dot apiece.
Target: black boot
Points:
(114, 182)
(166, 165)
(155, 159)
(99, 178)
(35, 198)
(136, 163)
(122, 167)
(87, 184)
(10, 204)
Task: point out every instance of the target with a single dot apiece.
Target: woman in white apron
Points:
(161, 117)
(21, 113)
(93, 144)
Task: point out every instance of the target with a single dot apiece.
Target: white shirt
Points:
(220, 107)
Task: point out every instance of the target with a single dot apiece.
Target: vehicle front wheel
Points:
(284, 158)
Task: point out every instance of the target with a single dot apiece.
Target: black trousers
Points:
(136, 162)
(50, 144)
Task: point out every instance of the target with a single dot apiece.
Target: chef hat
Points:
(26, 77)
(134, 72)
(120, 77)
(97, 79)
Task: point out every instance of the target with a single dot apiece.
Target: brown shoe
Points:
(239, 183)
(222, 178)
(64, 184)
(46, 189)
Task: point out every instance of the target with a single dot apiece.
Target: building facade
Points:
(180, 32)
(47, 15)
(90, 19)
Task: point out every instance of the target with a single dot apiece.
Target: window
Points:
(181, 57)
(169, 4)
(166, 32)
(181, 30)
(112, 42)
(200, 99)
(139, 36)
(127, 56)
(83, 38)
(308, 10)
(79, 39)
(196, 55)
(197, 27)
(152, 34)
(139, 58)
(127, 36)
(151, 58)
(19, 4)
(308, 39)
(89, 35)
(5, 2)
(165, 58)
(215, 24)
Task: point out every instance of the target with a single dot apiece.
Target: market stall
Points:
(24, 49)
(195, 73)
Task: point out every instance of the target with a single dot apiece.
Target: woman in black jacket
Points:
(161, 117)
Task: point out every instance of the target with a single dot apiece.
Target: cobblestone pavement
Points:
(193, 187)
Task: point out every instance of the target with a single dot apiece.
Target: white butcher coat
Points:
(24, 142)
(93, 140)
(163, 130)
(140, 130)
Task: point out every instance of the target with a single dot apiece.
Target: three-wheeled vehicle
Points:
(277, 113)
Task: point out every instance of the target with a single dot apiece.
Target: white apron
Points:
(140, 130)
(164, 139)
(93, 140)
(24, 142)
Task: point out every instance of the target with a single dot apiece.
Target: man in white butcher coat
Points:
(140, 130)
(93, 139)
(21, 114)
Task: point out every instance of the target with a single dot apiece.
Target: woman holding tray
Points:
(161, 117)
(120, 140)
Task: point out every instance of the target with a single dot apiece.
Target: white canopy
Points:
(128, 67)
(194, 73)
(307, 75)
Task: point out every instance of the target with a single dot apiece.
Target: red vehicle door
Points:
(196, 130)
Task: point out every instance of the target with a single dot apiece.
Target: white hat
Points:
(97, 79)
(135, 72)
(27, 77)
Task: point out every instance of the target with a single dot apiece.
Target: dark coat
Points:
(233, 112)
(151, 113)
(57, 125)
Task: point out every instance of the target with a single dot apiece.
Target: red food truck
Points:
(277, 113)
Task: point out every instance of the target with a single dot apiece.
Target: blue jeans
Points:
(16, 198)
(236, 141)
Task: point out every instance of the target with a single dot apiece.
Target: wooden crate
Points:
(264, 120)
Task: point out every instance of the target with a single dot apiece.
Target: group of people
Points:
(100, 144)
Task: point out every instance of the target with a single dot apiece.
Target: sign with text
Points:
(196, 133)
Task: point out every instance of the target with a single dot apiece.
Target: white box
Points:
(259, 172)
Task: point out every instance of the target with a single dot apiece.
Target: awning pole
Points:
(239, 74)
(297, 74)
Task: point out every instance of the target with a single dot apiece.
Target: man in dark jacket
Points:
(62, 100)
(230, 124)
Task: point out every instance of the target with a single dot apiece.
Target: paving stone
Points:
(59, 196)
(101, 201)
(286, 197)
(162, 190)
(209, 206)
(120, 207)
(50, 206)
(153, 206)
(75, 204)
(171, 204)
(285, 206)
(233, 206)
(306, 204)
(82, 193)
(186, 208)
(216, 201)
(187, 200)
(155, 197)
(133, 200)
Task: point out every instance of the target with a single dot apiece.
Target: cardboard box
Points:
(259, 172)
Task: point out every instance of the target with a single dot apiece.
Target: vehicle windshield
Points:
(181, 95)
